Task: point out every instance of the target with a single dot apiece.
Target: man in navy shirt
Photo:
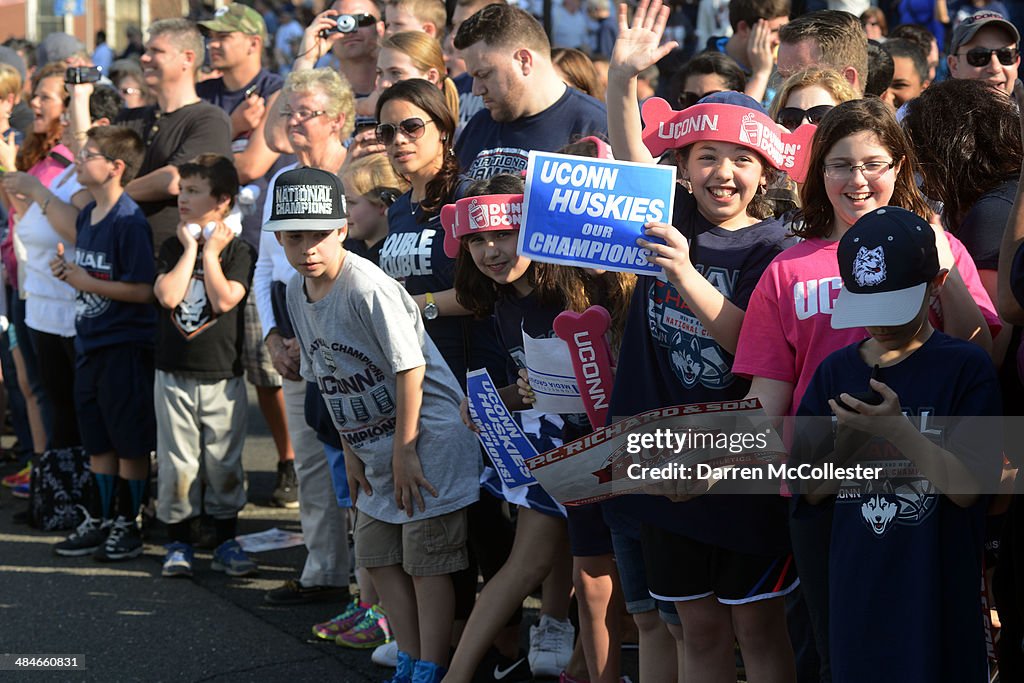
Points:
(528, 107)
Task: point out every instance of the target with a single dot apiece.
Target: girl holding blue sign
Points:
(524, 297)
(724, 561)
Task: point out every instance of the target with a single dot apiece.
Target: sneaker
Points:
(551, 644)
(232, 560)
(371, 631)
(427, 672)
(178, 560)
(294, 593)
(20, 491)
(22, 476)
(495, 668)
(123, 542)
(403, 669)
(84, 540)
(332, 628)
(386, 655)
(286, 490)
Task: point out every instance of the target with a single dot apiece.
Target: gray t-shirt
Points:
(354, 341)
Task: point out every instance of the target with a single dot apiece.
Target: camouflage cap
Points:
(237, 17)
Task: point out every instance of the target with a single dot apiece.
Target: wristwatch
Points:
(430, 311)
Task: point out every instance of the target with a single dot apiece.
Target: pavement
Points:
(130, 624)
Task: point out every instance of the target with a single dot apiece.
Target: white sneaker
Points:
(551, 644)
(386, 654)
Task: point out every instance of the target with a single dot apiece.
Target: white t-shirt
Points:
(49, 303)
(272, 265)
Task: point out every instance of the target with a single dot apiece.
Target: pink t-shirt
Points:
(787, 330)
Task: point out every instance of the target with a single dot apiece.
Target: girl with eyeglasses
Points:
(860, 161)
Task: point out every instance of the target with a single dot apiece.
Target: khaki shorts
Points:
(259, 369)
(426, 547)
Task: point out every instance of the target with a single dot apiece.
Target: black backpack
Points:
(60, 482)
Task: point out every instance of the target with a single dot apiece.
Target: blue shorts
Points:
(339, 476)
(629, 559)
(589, 535)
(114, 401)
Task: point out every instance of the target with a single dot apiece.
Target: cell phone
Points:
(364, 123)
(254, 88)
(871, 397)
(83, 74)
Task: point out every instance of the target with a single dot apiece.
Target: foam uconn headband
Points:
(668, 129)
(486, 213)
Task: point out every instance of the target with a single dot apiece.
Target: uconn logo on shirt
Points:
(89, 305)
(812, 297)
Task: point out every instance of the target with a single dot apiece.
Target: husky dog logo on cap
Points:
(869, 267)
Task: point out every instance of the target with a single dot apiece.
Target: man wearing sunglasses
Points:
(985, 47)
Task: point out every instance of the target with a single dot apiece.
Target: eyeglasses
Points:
(871, 170)
(126, 92)
(83, 155)
(687, 99)
(303, 115)
(793, 117)
(411, 128)
(980, 56)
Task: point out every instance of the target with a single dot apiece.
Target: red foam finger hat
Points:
(668, 129)
(486, 213)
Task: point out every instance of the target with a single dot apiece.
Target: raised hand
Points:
(639, 45)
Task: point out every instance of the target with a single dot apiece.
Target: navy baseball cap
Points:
(307, 199)
(886, 260)
(732, 97)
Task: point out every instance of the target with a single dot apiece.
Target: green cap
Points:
(237, 17)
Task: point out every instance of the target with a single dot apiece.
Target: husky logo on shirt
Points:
(869, 266)
(95, 263)
(696, 357)
(491, 162)
(878, 513)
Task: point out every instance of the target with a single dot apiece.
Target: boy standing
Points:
(911, 536)
(395, 404)
(115, 322)
(203, 274)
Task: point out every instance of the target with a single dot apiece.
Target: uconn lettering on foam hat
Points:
(886, 260)
(307, 199)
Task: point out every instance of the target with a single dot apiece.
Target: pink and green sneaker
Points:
(371, 631)
(334, 627)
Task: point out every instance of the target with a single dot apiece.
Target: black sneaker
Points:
(286, 490)
(86, 539)
(496, 668)
(123, 543)
(294, 593)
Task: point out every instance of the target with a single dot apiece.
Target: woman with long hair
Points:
(577, 70)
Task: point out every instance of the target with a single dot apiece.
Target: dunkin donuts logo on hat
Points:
(492, 212)
(307, 199)
(670, 129)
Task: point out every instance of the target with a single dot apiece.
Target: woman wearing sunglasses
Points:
(417, 130)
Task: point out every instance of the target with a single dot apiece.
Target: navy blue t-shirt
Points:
(905, 562)
(486, 147)
(119, 248)
(514, 317)
(413, 254)
(668, 358)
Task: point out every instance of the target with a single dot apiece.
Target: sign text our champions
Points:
(589, 190)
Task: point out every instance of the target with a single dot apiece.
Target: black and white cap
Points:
(306, 199)
(886, 260)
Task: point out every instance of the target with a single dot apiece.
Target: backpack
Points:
(60, 482)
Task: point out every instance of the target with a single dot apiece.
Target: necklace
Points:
(413, 206)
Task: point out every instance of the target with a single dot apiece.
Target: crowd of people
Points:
(272, 194)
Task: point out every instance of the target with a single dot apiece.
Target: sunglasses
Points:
(411, 128)
(792, 117)
(687, 99)
(980, 56)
